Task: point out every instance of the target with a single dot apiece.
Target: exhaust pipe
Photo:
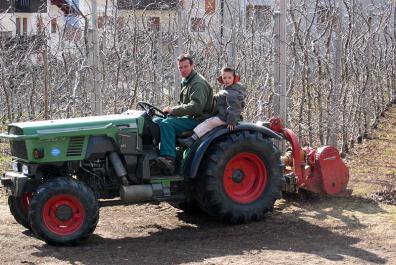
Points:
(118, 167)
(143, 193)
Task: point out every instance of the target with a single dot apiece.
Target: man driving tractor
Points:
(195, 105)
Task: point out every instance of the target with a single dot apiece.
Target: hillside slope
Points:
(373, 164)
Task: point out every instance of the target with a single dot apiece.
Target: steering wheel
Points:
(151, 110)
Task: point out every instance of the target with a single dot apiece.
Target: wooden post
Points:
(334, 94)
(394, 56)
(178, 51)
(280, 98)
(97, 92)
(46, 82)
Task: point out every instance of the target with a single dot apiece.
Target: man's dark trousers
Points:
(169, 127)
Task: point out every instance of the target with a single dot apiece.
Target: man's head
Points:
(185, 64)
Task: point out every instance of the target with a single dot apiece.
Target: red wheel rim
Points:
(245, 178)
(71, 221)
(25, 201)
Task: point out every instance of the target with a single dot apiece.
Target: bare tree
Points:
(137, 62)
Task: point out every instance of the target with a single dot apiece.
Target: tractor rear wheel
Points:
(19, 208)
(240, 179)
(63, 211)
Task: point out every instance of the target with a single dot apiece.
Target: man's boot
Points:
(186, 142)
(167, 164)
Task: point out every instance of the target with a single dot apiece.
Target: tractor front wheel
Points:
(240, 179)
(63, 211)
(19, 208)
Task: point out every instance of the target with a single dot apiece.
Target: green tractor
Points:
(64, 170)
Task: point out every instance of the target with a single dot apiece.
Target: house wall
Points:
(55, 34)
(8, 20)
(233, 16)
(143, 19)
(193, 10)
(85, 7)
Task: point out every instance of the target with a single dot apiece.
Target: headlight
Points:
(25, 169)
(15, 166)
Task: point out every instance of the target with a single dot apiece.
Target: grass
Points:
(373, 164)
(392, 213)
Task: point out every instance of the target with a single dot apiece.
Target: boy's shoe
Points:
(167, 164)
(186, 142)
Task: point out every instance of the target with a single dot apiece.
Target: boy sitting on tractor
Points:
(229, 103)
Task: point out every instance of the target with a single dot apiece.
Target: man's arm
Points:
(195, 107)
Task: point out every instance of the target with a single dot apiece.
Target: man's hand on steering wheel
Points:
(168, 110)
(151, 109)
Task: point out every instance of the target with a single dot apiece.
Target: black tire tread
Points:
(17, 212)
(213, 199)
(63, 185)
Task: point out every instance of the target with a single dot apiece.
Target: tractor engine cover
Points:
(334, 173)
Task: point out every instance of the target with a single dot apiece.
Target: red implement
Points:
(321, 171)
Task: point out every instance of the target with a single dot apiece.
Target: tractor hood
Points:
(73, 125)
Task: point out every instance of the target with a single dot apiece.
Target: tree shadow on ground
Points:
(342, 209)
(200, 239)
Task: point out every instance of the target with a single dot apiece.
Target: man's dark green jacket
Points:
(196, 98)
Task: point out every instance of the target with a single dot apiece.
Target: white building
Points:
(194, 16)
(27, 18)
(207, 15)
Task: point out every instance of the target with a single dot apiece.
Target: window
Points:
(197, 24)
(101, 21)
(24, 26)
(210, 7)
(153, 23)
(21, 26)
(18, 26)
(258, 16)
(53, 25)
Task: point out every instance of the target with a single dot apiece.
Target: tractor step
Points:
(156, 200)
(164, 178)
(173, 198)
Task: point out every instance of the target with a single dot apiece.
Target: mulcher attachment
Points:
(331, 170)
(320, 171)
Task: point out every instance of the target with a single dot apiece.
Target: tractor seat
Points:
(184, 134)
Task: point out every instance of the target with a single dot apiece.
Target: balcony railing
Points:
(22, 6)
(28, 6)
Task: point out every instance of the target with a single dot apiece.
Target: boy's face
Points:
(228, 78)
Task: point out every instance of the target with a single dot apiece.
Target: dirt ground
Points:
(360, 229)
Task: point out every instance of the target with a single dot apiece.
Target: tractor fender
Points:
(199, 149)
(99, 146)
